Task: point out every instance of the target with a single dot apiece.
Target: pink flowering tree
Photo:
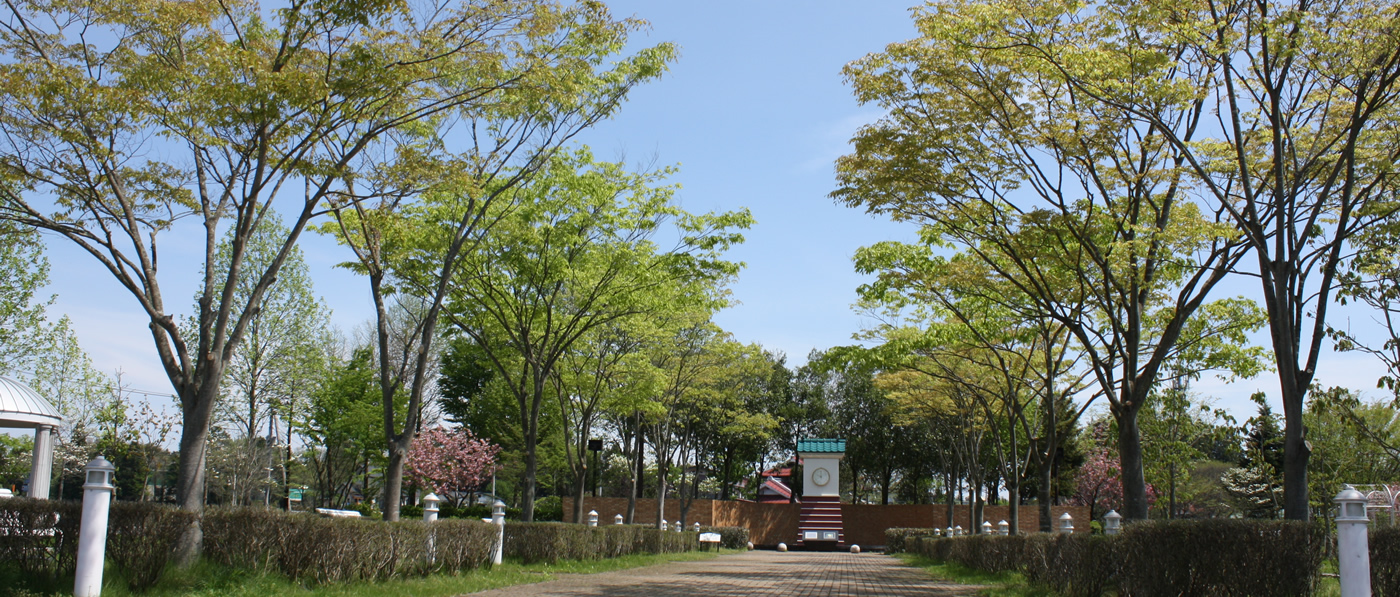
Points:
(451, 461)
(1099, 484)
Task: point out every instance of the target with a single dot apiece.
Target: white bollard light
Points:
(697, 526)
(678, 526)
(593, 518)
(1003, 528)
(958, 530)
(986, 527)
(1353, 557)
(1066, 524)
(1112, 523)
(617, 519)
(430, 506)
(663, 524)
(950, 532)
(498, 517)
(92, 537)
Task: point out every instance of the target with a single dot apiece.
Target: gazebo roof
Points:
(22, 407)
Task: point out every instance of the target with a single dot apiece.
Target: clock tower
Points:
(821, 526)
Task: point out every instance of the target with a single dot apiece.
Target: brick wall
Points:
(865, 524)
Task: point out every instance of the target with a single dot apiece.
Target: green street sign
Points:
(294, 494)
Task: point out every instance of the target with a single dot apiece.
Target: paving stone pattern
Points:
(753, 574)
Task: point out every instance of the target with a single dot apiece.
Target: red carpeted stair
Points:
(821, 515)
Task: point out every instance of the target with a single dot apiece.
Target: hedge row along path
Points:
(752, 574)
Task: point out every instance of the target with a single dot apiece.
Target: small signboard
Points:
(709, 537)
(294, 494)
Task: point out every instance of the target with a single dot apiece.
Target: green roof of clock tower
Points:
(813, 444)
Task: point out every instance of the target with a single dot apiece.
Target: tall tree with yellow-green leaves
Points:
(127, 121)
(558, 71)
(580, 246)
(1084, 208)
(1276, 117)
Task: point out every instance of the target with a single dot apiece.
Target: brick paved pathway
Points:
(752, 574)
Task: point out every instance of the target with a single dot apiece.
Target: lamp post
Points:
(430, 507)
(1353, 557)
(593, 518)
(617, 519)
(92, 538)
(498, 517)
(1003, 528)
(1066, 524)
(1112, 523)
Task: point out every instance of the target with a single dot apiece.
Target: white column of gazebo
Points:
(23, 408)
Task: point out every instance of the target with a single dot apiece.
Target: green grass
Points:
(211, 580)
(1013, 584)
(1001, 584)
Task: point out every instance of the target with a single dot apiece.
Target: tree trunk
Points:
(660, 487)
(728, 470)
(638, 461)
(1130, 466)
(194, 441)
(1044, 499)
(393, 478)
(951, 499)
(580, 489)
(527, 494)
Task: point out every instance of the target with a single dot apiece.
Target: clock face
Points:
(820, 476)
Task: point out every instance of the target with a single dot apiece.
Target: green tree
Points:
(551, 74)
(575, 253)
(1080, 206)
(1299, 157)
(269, 378)
(126, 121)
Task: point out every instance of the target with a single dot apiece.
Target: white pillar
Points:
(593, 518)
(1353, 556)
(986, 527)
(498, 517)
(1003, 528)
(617, 519)
(92, 534)
(41, 470)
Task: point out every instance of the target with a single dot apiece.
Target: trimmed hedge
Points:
(730, 537)
(1384, 545)
(1156, 558)
(40, 536)
(1221, 557)
(326, 550)
(897, 540)
(554, 541)
(141, 537)
(1074, 565)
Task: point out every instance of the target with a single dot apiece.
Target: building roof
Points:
(775, 487)
(814, 445)
(22, 407)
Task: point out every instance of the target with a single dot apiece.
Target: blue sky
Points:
(754, 112)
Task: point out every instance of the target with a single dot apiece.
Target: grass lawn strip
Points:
(209, 580)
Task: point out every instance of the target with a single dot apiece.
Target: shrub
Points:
(40, 536)
(547, 509)
(306, 547)
(1221, 557)
(554, 541)
(141, 537)
(896, 539)
(1385, 561)
(729, 537)
(1073, 565)
(992, 553)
